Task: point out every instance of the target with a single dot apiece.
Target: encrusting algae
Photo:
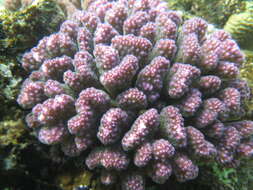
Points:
(78, 179)
(21, 29)
(240, 26)
(215, 11)
(68, 6)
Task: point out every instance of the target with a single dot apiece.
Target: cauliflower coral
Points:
(140, 92)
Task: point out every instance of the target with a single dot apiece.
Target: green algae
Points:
(215, 11)
(10, 79)
(12, 141)
(217, 177)
(240, 26)
(22, 29)
(69, 180)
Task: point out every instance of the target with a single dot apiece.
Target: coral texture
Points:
(141, 99)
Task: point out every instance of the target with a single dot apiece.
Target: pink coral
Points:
(121, 85)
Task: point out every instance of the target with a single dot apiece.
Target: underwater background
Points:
(26, 163)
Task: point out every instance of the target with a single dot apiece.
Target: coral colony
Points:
(143, 94)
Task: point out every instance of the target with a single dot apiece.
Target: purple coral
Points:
(52, 135)
(120, 77)
(133, 181)
(184, 168)
(141, 98)
(162, 150)
(150, 78)
(180, 79)
(143, 127)
(112, 125)
(172, 126)
(31, 94)
(199, 145)
(110, 158)
(160, 171)
(143, 155)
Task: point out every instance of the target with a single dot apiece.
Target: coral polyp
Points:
(140, 92)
